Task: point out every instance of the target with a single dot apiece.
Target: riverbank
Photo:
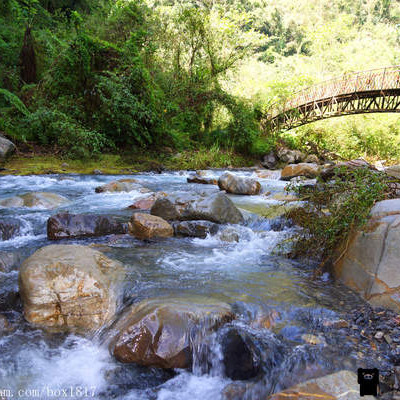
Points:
(28, 162)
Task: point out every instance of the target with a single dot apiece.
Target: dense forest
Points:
(113, 76)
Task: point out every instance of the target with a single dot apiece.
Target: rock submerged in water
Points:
(199, 229)
(234, 184)
(339, 386)
(122, 185)
(8, 260)
(202, 179)
(147, 202)
(158, 332)
(370, 262)
(145, 226)
(65, 225)
(9, 228)
(240, 358)
(69, 288)
(44, 200)
(216, 208)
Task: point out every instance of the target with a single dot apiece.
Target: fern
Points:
(15, 101)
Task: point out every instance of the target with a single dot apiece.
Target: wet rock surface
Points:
(9, 227)
(122, 185)
(65, 225)
(69, 288)
(235, 184)
(145, 226)
(6, 148)
(158, 332)
(199, 229)
(45, 200)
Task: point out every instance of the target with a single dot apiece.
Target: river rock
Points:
(69, 288)
(199, 229)
(9, 227)
(339, 386)
(240, 358)
(202, 179)
(215, 208)
(147, 202)
(65, 225)
(393, 170)
(369, 263)
(44, 200)
(268, 174)
(145, 226)
(269, 161)
(312, 158)
(290, 156)
(229, 234)
(158, 332)
(328, 172)
(8, 260)
(6, 148)
(302, 169)
(122, 185)
(232, 183)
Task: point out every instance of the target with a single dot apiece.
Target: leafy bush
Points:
(334, 209)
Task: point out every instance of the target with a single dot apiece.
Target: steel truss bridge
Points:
(374, 91)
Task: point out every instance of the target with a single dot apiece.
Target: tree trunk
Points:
(28, 58)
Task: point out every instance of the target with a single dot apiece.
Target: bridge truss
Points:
(374, 91)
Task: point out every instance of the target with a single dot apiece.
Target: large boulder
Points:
(232, 183)
(339, 386)
(69, 288)
(215, 208)
(9, 227)
(44, 200)
(308, 170)
(65, 225)
(199, 229)
(369, 262)
(145, 226)
(122, 185)
(6, 148)
(158, 332)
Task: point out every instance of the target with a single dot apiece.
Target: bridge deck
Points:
(376, 90)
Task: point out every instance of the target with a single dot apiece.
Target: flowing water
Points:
(276, 300)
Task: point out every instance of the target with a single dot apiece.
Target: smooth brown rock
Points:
(69, 288)
(146, 226)
(339, 386)
(44, 200)
(232, 183)
(122, 185)
(302, 169)
(157, 332)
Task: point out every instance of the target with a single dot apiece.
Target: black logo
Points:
(368, 379)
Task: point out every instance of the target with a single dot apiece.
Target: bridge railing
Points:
(364, 81)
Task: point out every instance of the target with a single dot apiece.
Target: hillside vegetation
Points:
(114, 76)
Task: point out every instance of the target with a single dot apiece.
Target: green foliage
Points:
(334, 209)
(14, 101)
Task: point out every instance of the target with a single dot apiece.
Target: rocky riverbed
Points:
(162, 286)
